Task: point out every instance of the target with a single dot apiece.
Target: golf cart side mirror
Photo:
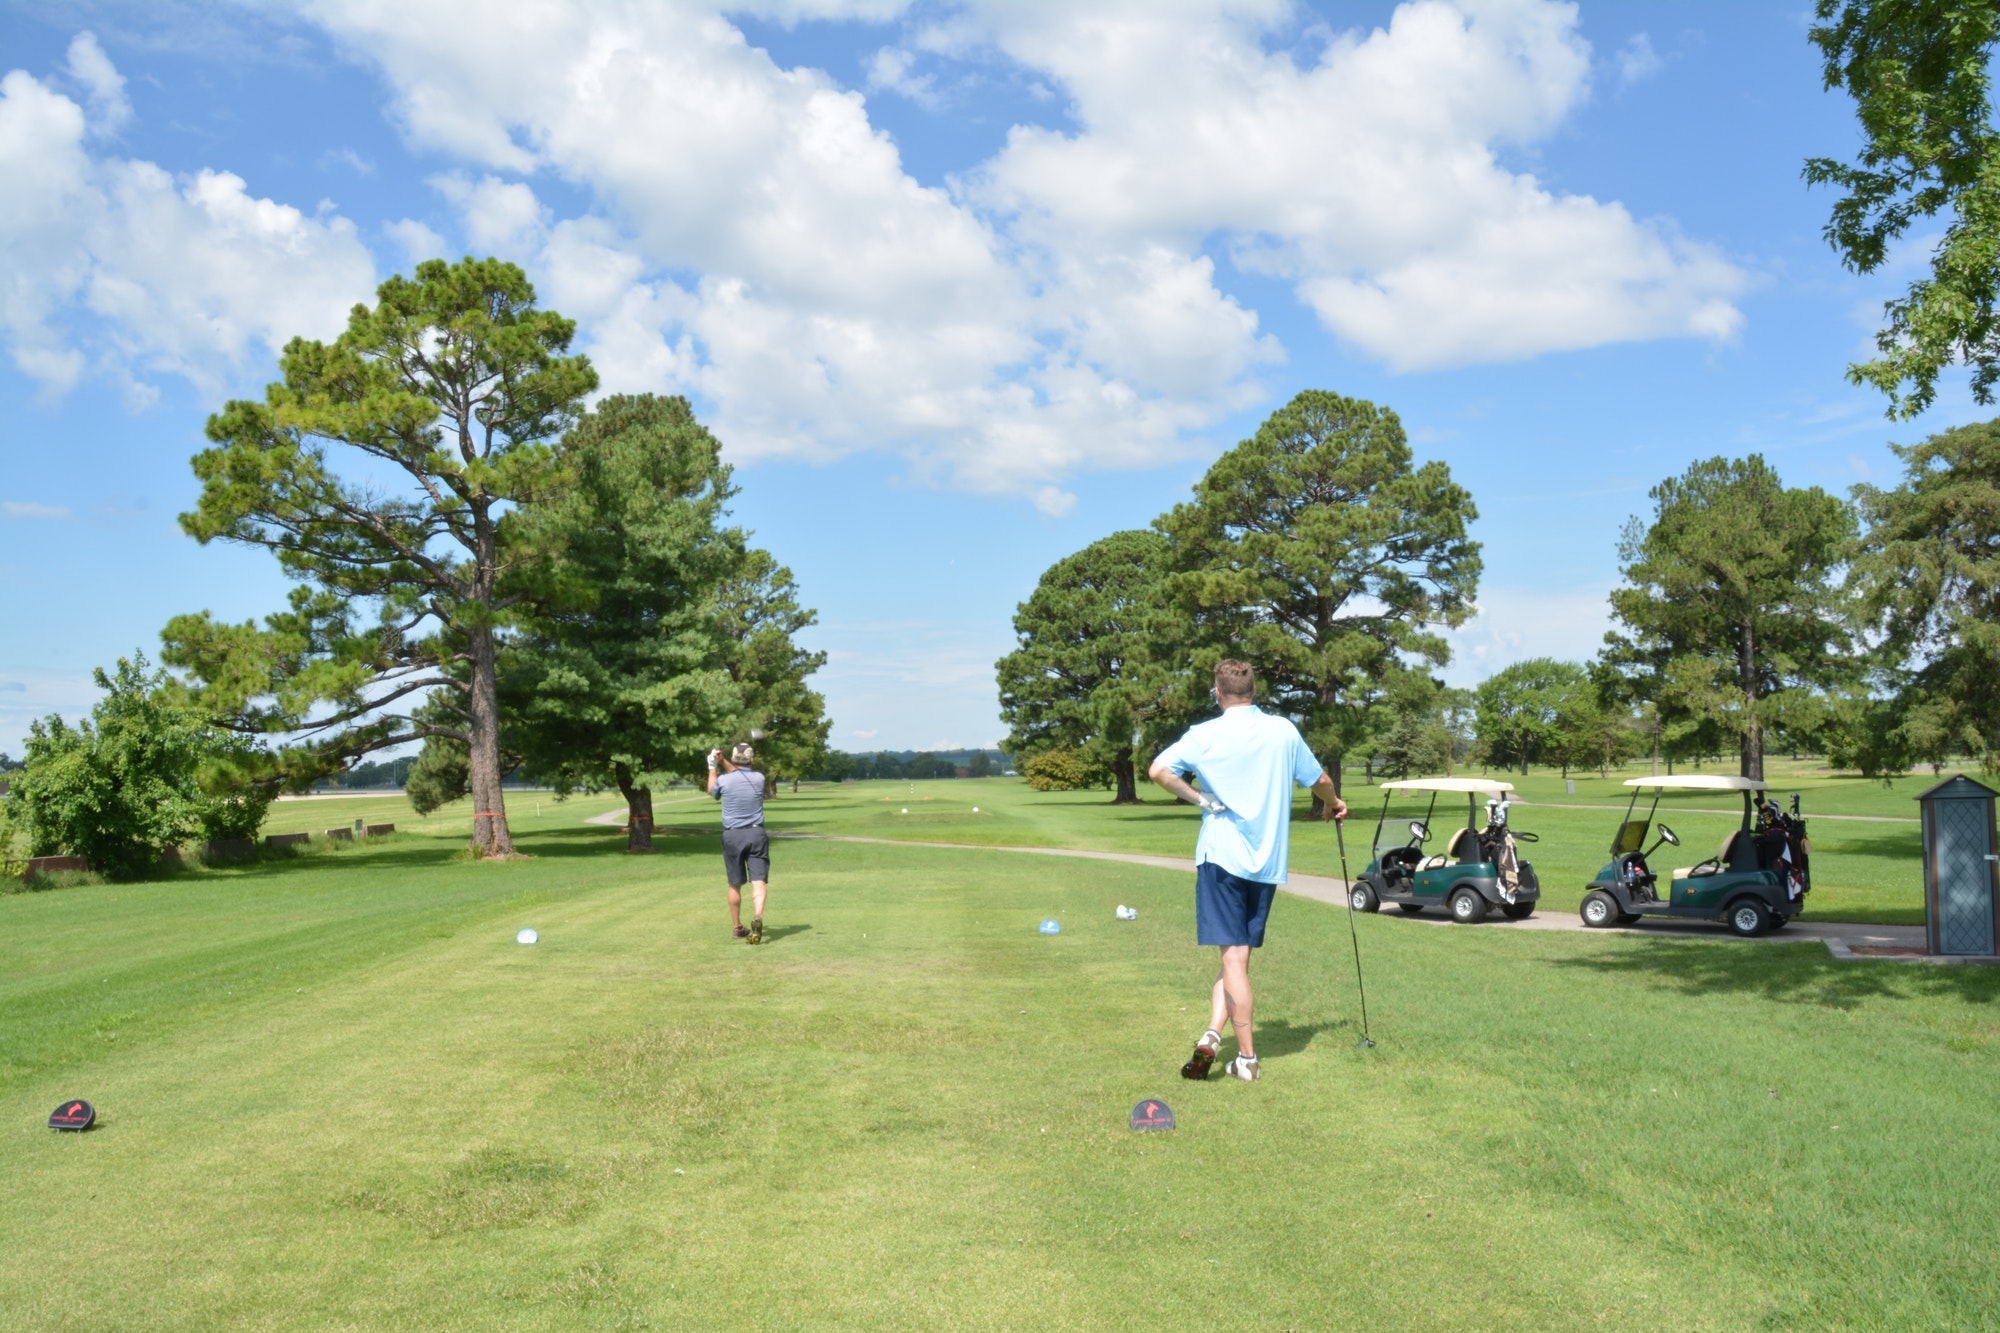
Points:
(1420, 830)
(1667, 836)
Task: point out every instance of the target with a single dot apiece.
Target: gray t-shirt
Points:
(741, 792)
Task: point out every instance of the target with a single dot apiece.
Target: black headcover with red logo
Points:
(75, 1115)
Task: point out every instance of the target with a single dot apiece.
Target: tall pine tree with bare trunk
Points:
(382, 471)
(1733, 614)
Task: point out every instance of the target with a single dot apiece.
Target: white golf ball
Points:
(906, 809)
(526, 937)
(975, 809)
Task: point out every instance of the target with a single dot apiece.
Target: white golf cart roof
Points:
(1478, 786)
(1699, 782)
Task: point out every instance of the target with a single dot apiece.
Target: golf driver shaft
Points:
(1341, 837)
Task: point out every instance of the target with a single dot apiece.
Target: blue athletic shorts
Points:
(1229, 909)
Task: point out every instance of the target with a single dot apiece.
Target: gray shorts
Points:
(746, 853)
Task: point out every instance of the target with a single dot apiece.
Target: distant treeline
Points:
(905, 765)
(393, 773)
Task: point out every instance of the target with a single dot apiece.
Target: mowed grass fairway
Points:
(336, 1094)
(1864, 869)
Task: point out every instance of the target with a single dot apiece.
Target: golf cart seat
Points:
(1738, 851)
(1461, 849)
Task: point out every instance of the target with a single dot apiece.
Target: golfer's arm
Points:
(1175, 784)
(1324, 790)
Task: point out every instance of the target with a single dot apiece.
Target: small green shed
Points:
(1961, 867)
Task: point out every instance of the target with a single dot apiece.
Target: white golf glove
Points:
(1212, 806)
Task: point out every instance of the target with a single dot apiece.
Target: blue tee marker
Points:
(1052, 927)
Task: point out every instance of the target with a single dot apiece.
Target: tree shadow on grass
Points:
(422, 851)
(610, 841)
(1801, 974)
(1904, 843)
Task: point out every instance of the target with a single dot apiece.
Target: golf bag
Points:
(1782, 848)
(1496, 843)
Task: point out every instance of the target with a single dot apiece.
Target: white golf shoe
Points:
(1243, 1067)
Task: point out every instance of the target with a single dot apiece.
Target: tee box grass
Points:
(335, 1094)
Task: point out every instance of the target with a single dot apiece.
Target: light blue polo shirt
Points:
(1248, 760)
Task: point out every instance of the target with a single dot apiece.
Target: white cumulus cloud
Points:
(753, 239)
(1369, 176)
(118, 265)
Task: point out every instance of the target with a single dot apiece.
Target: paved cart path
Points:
(1838, 936)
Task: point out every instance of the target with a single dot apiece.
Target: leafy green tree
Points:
(1928, 580)
(452, 383)
(780, 715)
(1733, 617)
(1526, 710)
(979, 764)
(146, 773)
(1089, 671)
(1919, 72)
(620, 671)
(1414, 737)
(1318, 553)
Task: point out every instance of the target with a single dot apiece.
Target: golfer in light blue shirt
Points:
(1247, 761)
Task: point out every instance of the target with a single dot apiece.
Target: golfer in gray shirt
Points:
(746, 847)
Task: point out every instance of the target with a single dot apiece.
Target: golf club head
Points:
(1365, 1044)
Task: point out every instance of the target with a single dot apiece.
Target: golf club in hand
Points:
(1341, 837)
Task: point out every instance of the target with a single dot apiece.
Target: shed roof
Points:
(1968, 789)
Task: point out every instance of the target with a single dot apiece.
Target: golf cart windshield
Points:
(1631, 836)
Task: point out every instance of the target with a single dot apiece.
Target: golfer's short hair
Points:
(1235, 680)
(742, 754)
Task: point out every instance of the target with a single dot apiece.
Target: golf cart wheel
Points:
(1361, 897)
(1599, 910)
(1411, 909)
(1467, 906)
(1518, 911)
(1749, 917)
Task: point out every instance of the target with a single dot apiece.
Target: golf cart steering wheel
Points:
(1668, 836)
(1420, 833)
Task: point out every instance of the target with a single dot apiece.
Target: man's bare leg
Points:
(1232, 992)
(757, 890)
(736, 907)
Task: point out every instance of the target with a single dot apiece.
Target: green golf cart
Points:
(1476, 871)
(1756, 881)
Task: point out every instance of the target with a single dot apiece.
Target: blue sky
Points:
(961, 287)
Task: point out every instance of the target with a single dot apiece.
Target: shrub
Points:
(1065, 768)
(145, 773)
